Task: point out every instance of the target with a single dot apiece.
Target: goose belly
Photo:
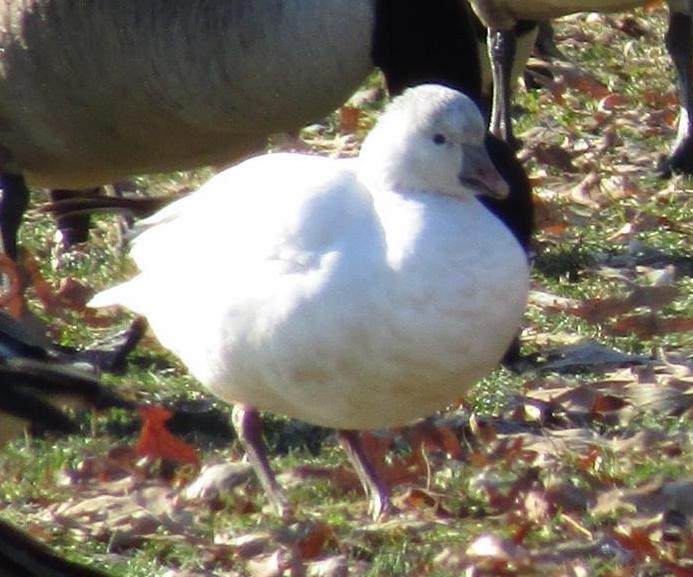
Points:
(381, 350)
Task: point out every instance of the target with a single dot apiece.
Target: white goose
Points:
(354, 293)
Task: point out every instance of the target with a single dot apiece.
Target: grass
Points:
(529, 482)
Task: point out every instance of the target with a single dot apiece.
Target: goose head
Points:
(431, 139)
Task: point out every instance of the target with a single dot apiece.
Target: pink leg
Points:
(248, 427)
(374, 486)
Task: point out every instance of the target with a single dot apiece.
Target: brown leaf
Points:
(342, 478)
(648, 325)
(118, 463)
(44, 291)
(483, 429)
(551, 302)
(456, 561)
(587, 192)
(334, 566)
(247, 545)
(549, 218)
(555, 156)
(607, 404)
(11, 300)
(72, 294)
(216, 479)
(420, 499)
(376, 446)
(155, 440)
(612, 101)
(312, 540)
(349, 117)
(638, 542)
(658, 99)
(599, 309)
(124, 516)
(434, 437)
(274, 564)
(497, 556)
(632, 27)
(537, 507)
(651, 499)
(425, 500)
(580, 80)
(621, 186)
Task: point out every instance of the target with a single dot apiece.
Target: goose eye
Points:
(438, 139)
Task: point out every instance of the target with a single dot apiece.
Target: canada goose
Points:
(37, 384)
(23, 556)
(502, 17)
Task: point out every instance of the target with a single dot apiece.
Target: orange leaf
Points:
(73, 294)
(349, 119)
(638, 542)
(44, 291)
(589, 459)
(11, 300)
(651, 5)
(157, 442)
(607, 403)
(435, 437)
(312, 544)
(647, 325)
(612, 101)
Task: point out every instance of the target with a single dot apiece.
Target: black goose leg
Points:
(501, 47)
(246, 422)
(74, 228)
(546, 43)
(14, 200)
(678, 42)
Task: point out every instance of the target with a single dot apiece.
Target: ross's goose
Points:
(349, 293)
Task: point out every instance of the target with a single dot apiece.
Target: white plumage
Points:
(353, 293)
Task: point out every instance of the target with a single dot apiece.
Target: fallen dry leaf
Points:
(655, 497)
(554, 156)
(122, 519)
(587, 192)
(580, 80)
(648, 325)
(349, 117)
(216, 479)
(156, 442)
(599, 309)
(277, 564)
(334, 566)
(11, 300)
(309, 539)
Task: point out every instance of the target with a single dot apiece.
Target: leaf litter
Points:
(555, 482)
